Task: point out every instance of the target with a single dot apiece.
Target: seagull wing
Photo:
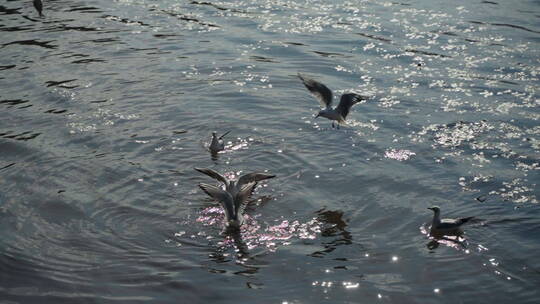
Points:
(223, 197)
(448, 224)
(242, 197)
(213, 174)
(463, 220)
(346, 102)
(221, 137)
(253, 177)
(319, 90)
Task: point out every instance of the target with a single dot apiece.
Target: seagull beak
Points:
(430, 208)
(317, 115)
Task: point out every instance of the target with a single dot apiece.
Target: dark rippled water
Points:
(106, 107)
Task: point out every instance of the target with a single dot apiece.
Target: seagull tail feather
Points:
(466, 219)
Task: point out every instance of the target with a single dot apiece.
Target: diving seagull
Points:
(441, 227)
(235, 186)
(324, 96)
(233, 205)
(217, 143)
(39, 7)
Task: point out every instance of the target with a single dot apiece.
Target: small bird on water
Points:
(39, 7)
(324, 96)
(441, 227)
(217, 143)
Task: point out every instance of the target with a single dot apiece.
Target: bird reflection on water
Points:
(334, 226)
(450, 242)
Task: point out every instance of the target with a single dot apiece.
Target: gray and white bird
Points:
(39, 7)
(217, 143)
(233, 205)
(441, 227)
(235, 186)
(324, 96)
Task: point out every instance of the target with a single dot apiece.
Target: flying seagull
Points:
(441, 227)
(235, 186)
(217, 143)
(39, 7)
(324, 96)
(233, 205)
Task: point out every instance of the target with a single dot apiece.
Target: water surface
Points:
(106, 107)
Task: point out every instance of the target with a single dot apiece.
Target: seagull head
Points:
(214, 134)
(435, 209)
(323, 113)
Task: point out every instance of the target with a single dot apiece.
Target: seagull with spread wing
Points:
(234, 186)
(324, 96)
(234, 194)
(233, 205)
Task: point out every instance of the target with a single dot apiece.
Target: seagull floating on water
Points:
(441, 227)
(324, 96)
(39, 7)
(234, 193)
(233, 205)
(217, 143)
